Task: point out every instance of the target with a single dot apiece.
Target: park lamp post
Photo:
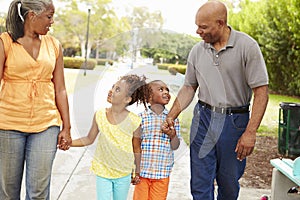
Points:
(87, 41)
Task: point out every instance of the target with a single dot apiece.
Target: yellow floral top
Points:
(114, 156)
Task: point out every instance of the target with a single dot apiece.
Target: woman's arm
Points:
(2, 59)
(61, 98)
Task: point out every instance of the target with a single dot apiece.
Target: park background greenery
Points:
(274, 24)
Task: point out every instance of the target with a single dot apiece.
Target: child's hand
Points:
(167, 130)
(64, 145)
(135, 178)
(168, 124)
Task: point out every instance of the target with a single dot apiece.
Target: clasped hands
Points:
(135, 178)
(64, 140)
(168, 128)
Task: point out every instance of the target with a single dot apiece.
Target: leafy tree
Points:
(281, 45)
(143, 24)
(2, 22)
(70, 26)
(171, 47)
(72, 21)
(247, 16)
(274, 24)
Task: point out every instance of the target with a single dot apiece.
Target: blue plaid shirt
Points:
(157, 157)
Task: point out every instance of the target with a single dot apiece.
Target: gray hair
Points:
(17, 13)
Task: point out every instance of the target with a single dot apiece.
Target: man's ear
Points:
(221, 22)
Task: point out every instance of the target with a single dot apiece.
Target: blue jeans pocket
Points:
(240, 121)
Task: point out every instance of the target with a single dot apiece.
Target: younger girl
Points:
(154, 148)
(113, 160)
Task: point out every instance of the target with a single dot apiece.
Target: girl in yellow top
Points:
(114, 160)
(33, 100)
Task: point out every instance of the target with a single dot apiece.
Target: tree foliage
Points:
(148, 37)
(2, 22)
(72, 24)
(171, 47)
(281, 45)
(139, 31)
(143, 24)
(275, 25)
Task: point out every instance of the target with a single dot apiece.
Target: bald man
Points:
(226, 67)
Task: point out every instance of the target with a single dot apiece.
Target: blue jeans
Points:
(115, 188)
(37, 152)
(212, 149)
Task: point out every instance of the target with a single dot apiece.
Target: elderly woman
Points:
(34, 110)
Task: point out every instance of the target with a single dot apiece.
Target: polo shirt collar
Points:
(150, 111)
(230, 42)
(232, 37)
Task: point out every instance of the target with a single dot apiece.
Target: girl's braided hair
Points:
(138, 89)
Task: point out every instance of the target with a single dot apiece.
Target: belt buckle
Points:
(221, 110)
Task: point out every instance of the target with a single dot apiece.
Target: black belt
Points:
(228, 110)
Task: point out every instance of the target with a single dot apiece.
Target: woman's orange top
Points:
(27, 96)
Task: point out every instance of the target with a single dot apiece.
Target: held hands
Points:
(245, 145)
(64, 140)
(168, 128)
(135, 178)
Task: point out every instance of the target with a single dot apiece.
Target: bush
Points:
(104, 61)
(172, 68)
(78, 63)
(179, 68)
(164, 66)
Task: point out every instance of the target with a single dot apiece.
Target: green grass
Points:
(269, 124)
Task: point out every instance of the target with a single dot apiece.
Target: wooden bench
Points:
(283, 179)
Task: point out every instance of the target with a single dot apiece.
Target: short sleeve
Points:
(256, 71)
(136, 120)
(7, 41)
(55, 43)
(190, 74)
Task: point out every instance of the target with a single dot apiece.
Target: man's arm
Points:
(182, 101)
(246, 143)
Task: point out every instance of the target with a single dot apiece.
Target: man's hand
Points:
(168, 128)
(245, 145)
(168, 125)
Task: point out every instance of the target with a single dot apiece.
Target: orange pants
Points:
(151, 189)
